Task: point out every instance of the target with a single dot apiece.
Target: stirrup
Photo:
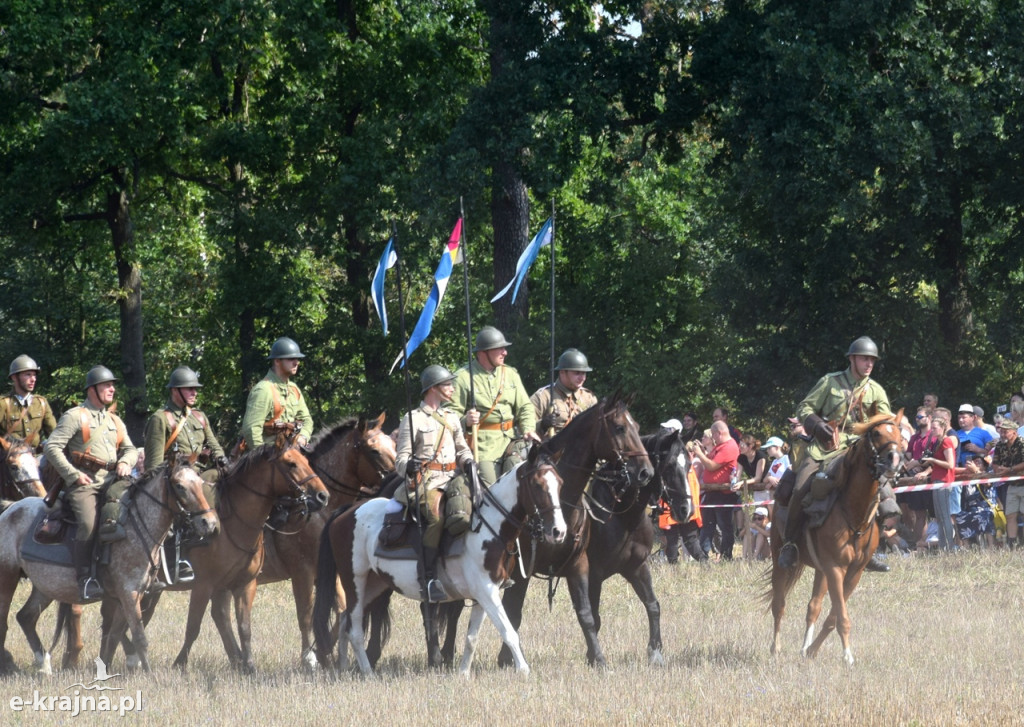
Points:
(436, 592)
(89, 589)
(185, 573)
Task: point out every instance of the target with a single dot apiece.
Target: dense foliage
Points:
(740, 189)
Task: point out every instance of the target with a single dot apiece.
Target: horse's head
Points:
(618, 439)
(187, 488)
(539, 485)
(884, 442)
(377, 452)
(20, 472)
(300, 481)
(671, 471)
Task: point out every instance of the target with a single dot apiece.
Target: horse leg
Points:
(73, 645)
(28, 617)
(302, 590)
(432, 613)
(378, 618)
(220, 610)
(244, 598)
(814, 611)
(476, 618)
(512, 602)
(489, 600)
(578, 583)
(149, 601)
(642, 585)
(113, 626)
(197, 603)
(131, 609)
(834, 577)
(8, 584)
(450, 612)
(356, 636)
(843, 622)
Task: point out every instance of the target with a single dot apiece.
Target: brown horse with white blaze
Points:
(839, 550)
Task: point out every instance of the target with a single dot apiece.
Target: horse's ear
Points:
(629, 399)
(899, 416)
(531, 456)
(378, 423)
(6, 444)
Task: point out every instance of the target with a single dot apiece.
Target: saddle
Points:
(822, 493)
(52, 535)
(400, 539)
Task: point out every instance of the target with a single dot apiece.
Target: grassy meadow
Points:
(938, 641)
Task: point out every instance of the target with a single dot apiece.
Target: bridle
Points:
(882, 471)
(10, 465)
(367, 450)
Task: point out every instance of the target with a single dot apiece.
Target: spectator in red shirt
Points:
(922, 443)
(720, 465)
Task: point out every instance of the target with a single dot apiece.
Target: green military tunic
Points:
(30, 418)
(94, 432)
(194, 434)
(501, 396)
(269, 397)
(560, 405)
(831, 399)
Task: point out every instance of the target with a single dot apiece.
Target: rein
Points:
(138, 524)
(882, 474)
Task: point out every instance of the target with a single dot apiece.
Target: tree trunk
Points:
(955, 315)
(510, 217)
(129, 281)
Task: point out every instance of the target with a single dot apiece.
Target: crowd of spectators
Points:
(959, 487)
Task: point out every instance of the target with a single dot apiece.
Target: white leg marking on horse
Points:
(808, 639)
(848, 657)
(133, 662)
(654, 657)
(309, 660)
(43, 663)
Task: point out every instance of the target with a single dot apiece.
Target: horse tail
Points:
(61, 627)
(787, 579)
(325, 602)
(378, 613)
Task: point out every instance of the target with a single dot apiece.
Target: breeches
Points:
(84, 501)
(430, 510)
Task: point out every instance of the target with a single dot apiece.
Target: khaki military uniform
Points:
(92, 441)
(437, 442)
(505, 411)
(187, 429)
(32, 422)
(274, 401)
(560, 406)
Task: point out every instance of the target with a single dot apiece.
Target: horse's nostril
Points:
(322, 498)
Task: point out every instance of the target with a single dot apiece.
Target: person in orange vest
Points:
(686, 532)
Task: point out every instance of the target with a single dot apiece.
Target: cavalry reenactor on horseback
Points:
(276, 403)
(828, 413)
(558, 404)
(23, 413)
(91, 451)
(435, 459)
(179, 425)
(499, 393)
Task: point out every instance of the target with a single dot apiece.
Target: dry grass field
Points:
(938, 641)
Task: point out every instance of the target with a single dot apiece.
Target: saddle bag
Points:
(394, 530)
(457, 506)
(54, 527)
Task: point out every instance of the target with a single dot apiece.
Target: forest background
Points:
(740, 190)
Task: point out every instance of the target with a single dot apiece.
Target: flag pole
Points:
(552, 293)
(415, 490)
(471, 404)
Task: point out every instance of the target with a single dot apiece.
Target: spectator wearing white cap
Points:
(778, 456)
(973, 439)
(756, 537)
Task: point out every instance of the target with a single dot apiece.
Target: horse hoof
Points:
(132, 663)
(309, 661)
(654, 657)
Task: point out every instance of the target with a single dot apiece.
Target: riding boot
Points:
(89, 589)
(789, 555)
(876, 565)
(435, 589)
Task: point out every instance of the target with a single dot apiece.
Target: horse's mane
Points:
(250, 459)
(557, 443)
(330, 434)
(861, 428)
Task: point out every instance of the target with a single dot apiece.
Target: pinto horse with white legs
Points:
(153, 503)
(839, 550)
(347, 549)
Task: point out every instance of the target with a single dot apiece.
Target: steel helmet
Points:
(434, 375)
(22, 363)
(489, 337)
(285, 347)
(572, 360)
(184, 377)
(863, 346)
(98, 375)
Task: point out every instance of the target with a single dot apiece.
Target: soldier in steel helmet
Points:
(275, 402)
(558, 404)
(435, 460)
(90, 449)
(501, 397)
(828, 413)
(181, 426)
(23, 413)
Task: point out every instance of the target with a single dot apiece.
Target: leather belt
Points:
(438, 467)
(503, 426)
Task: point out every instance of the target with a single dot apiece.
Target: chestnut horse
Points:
(153, 504)
(348, 545)
(841, 548)
(608, 432)
(227, 567)
(352, 458)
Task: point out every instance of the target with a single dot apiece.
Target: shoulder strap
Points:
(85, 421)
(174, 434)
(278, 406)
(199, 417)
(119, 425)
(497, 398)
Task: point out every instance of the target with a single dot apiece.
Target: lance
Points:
(469, 326)
(427, 613)
(552, 295)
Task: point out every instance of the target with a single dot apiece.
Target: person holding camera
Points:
(558, 404)
(828, 413)
(435, 460)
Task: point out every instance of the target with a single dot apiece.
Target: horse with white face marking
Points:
(349, 541)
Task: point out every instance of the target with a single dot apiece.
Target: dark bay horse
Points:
(347, 550)
(153, 503)
(839, 550)
(352, 458)
(622, 533)
(227, 567)
(605, 432)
